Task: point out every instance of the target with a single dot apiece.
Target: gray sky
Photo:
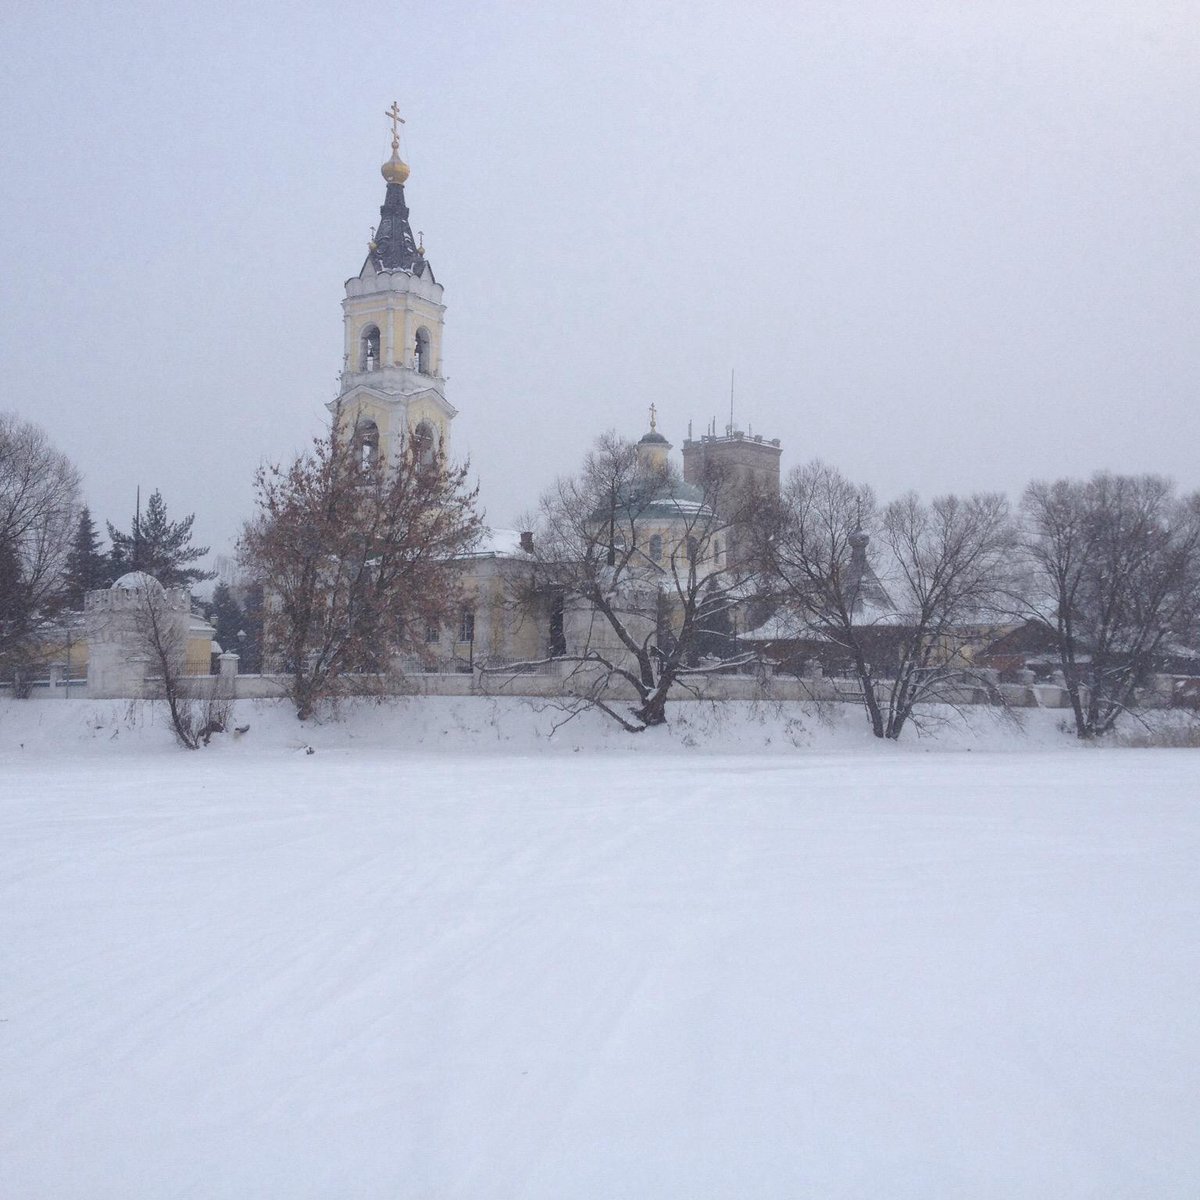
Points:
(947, 246)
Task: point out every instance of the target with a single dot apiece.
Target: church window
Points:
(424, 354)
(466, 625)
(366, 441)
(370, 349)
(433, 632)
(424, 447)
(656, 545)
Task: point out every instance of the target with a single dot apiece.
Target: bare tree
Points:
(813, 549)
(951, 560)
(356, 558)
(639, 562)
(1116, 574)
(196, 706)
(39, 506)
(890, 590)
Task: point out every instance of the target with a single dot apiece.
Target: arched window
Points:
(656, 547)
(424, 355)
(424, 446)
(366, 443)
(466, 625)
(369, 353)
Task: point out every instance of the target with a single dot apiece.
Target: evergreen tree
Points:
(227, 617)
(158, 546)
(87, 567)
(250, 647)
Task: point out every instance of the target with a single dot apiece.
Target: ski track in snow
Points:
(384, 972)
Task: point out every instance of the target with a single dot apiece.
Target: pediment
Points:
(433, 398)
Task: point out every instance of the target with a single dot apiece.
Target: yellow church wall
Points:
(675, 544)
(61, 644)
(368, 409)
(72, 650)
(198, 656)
(505, 628)
(515, 632)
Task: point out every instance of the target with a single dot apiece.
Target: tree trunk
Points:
(870, 700)
(654, 708)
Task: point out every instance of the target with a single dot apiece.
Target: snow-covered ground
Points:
(441, 957)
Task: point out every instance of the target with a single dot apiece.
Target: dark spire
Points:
(394, 248)
(862, 584)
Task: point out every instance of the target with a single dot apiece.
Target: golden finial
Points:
(653, 415)
(395, 170)
(421, 243)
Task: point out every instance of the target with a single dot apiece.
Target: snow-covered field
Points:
(440, 957)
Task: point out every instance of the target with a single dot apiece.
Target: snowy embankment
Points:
(521, 726)
(623, 968)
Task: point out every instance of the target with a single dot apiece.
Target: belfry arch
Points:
(366, 443)
(424, 352)
(368, 354)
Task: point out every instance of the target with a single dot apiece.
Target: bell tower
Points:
(393, 390)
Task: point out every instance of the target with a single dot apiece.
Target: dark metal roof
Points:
(395, 248)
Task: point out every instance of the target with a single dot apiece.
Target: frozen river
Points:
(376, 974)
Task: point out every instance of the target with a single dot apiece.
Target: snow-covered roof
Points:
(676, 506)
(498, 543)
(201, 626)
(784, 626)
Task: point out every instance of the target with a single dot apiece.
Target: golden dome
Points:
(395, 170)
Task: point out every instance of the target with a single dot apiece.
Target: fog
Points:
(945, 246)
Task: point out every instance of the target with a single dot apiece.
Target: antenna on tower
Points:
(731, 424)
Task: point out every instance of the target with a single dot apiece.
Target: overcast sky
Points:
(946, 246)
